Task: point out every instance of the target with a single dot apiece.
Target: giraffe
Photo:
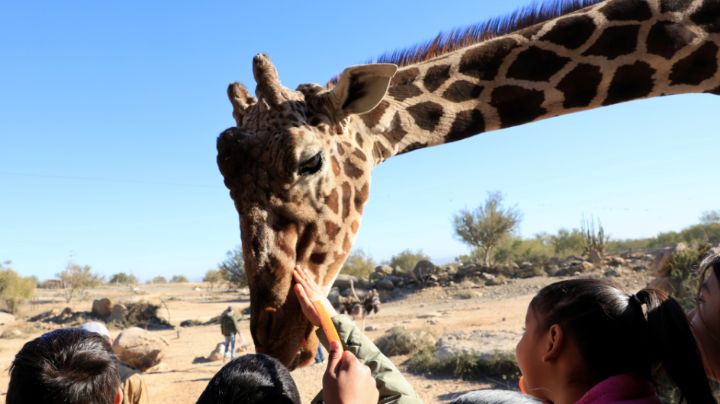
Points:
(298, 162)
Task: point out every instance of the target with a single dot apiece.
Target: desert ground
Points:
(178, 380)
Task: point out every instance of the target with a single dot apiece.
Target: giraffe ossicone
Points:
(298, 162)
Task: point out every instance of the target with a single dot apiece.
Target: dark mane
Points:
(446, 42)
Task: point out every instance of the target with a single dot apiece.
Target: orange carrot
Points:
(521, 383)
(326, 323)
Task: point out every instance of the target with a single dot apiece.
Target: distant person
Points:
(135, 390)
(252, 378)
(705, 317)
(229, 328)
(70, 366)
(587, 342)
(361, 374)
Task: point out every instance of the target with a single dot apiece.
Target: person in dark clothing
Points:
(229, 328)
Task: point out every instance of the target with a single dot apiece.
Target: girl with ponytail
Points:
(588, 342)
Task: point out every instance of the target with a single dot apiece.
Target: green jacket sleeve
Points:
(390, 382)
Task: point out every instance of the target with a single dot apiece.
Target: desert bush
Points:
(178, 279)
(499, 367)
(359, 264)
(567, 242)
(214, 278)
(536, 250)
(158, 280)
(710, 217)
(682, 273)
(233, 268)
(14, 288)
(407, 259)
(400, 341)
(76, 279)
(121, 278)
(487, 225)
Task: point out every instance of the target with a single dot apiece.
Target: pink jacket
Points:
(621, 389)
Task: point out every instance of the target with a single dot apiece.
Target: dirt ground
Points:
(178, 380)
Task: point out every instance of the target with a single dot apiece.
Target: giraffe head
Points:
(298, 171)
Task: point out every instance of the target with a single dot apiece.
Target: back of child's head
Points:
(707, 266)
(253, 378)
(618, 333)
(69, 365)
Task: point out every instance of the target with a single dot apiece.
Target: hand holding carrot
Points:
(315, 306)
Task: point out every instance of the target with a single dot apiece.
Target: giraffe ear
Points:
(240, 99)
(359, 89)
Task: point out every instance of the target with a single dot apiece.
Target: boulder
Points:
(140, 348)
(483, 344)
(385, 284)
(118, 313)
(6, 318)
(102, 307)
(343, 281)
(217, 353)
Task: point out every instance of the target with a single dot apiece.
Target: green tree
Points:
(121, 278)
(710, 217)
(178, 279)
(214, 278)
(487, 225)
(407, 259)
(14, 288)
(233, 268)
(568, 242)
(76, 279)
(358, 264)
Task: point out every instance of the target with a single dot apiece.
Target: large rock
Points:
(118, 313)
(343, 281)
(102, 307)
(140, 348)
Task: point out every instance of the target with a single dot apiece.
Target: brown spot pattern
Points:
(483, 61)
(373, 117)
(361, 196)
(396, 132)
(630, 82)
(462, 90)
(580, 85)
(331, 229)
(666, 38)
(332, 201)
(351, 170)
(426, 114)
(436, 76)
(402, 85)
(536, 64)
(571, 32)
(627, 10)
(615, 41)
(359, 155)
(467, 123)
(335, 166)
(346, 196)
(354, 226)
(517, 105)
(696, 67)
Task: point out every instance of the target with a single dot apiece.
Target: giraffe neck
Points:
(611, 52)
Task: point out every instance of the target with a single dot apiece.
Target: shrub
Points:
(358, 264)
(400, 341)
(76, 279)
(121, 278)
(14, 288)
(178, 279)
(158, 280)
(594, 240)
(214, 278)
(681, 271)
(407, 259)
(233, 268)
(499, 367)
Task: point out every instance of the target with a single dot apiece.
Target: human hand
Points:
(308, 292)
(346, 380)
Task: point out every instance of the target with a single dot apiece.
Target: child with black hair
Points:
(587, 342)
(70, 365)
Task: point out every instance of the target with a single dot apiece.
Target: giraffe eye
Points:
(312, 165)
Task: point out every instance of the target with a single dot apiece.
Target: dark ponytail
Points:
(618, 333)
(672, 344)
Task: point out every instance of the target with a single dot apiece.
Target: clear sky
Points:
(109, 113)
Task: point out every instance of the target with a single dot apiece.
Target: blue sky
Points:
(109, 113)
